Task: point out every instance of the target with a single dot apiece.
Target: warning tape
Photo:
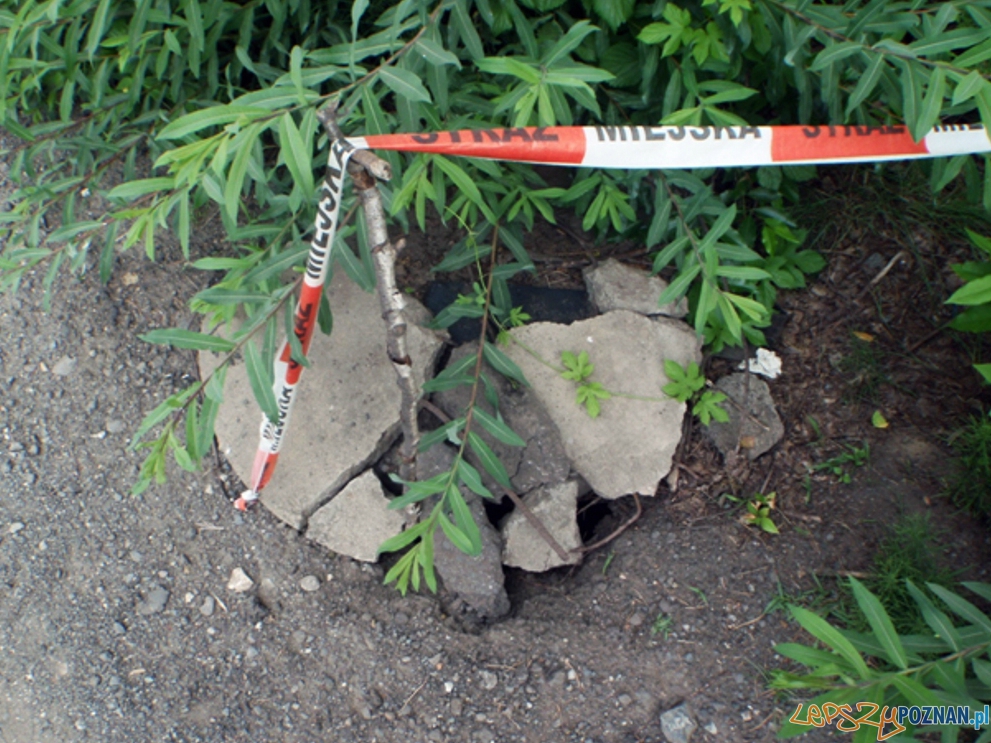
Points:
(287, 369)
(635, 147)
(626, 147)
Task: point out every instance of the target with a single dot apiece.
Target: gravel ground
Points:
(117, 622)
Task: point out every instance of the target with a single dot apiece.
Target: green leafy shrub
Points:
(949, 664)
(971, 488)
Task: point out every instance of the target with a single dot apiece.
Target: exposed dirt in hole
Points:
(671, 611)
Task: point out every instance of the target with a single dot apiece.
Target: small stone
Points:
(310, 583)
(555, 507)
(115, 426)
(457, 707)
(208, 606)
(239, 581)
(15, 447)
(677, 725)
(154, 602)
(625, 700)
(64, 366)
(15, 527)
(711, 729)
(761, 426)
(615, 286)
(489, 680)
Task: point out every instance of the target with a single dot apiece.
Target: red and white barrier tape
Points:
(634, 147)
(287, 370)
(627, 147)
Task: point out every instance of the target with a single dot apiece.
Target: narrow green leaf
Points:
(835, 53)
(963, 608)
(297, 154)
(489, 460)
(458, 538)
(403, 538)
(96, 28)
(238, 171)
(133, 189)
(434, 53)
(260, 379)
(677, 288)
(823, 631)
(968, 87)
(213, 116)
(881, 623)
(503, 364)
(463, 517)
(471, 477)
(868, 81)
(931, 104)
(404, 83)
(977, 291)
(498, 428)
(180, 338)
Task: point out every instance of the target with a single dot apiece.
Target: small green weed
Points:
(578, 370)
(840, 465)
(701, 594)
(909, 552)
(972, 487)
(866, 366)
(686, 384)
(819, 599)
(758, 511)
(662, 626)
(609, 558)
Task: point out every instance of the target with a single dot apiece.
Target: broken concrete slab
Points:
(346, 412)
(477, 580)
(754, 424)
(629, 447)
(615, 286)
(556, 507)
(543, 461)
(357, 520)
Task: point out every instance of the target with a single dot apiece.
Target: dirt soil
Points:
(116, 624)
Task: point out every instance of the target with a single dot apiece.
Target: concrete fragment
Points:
(357, 520)
(628, 448)
(754, 431)
(615, 286)
(678, 725)
(477, 580)
(543, 461)
(346, 412)
(556, 508)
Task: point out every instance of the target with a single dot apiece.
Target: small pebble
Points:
(207, 607)
(310, 583)
(64, 366)
(15, 527)
(115, 426)
(154, 602)
(239, 581)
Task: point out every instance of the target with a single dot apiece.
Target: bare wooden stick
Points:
(384, 253)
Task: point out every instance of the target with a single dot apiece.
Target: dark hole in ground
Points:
(496, 511)
(592, 511)
(541, 303)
